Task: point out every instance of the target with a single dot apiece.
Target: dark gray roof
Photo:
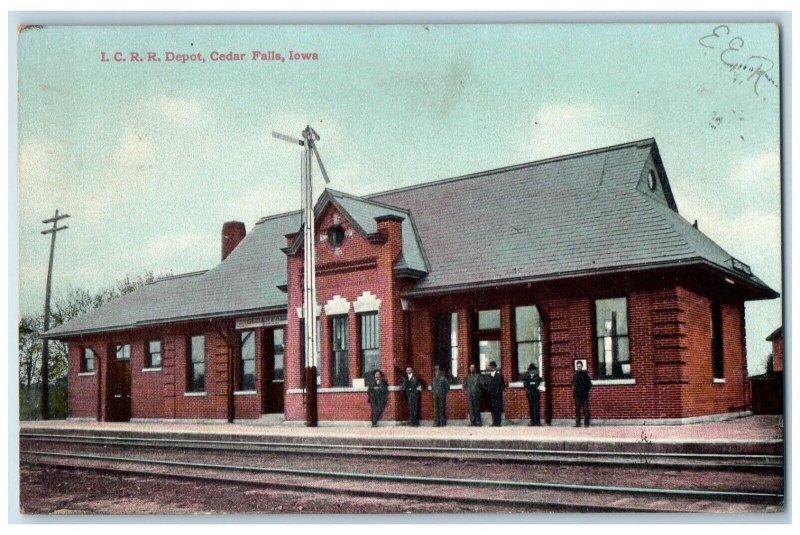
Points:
(568, 215)
(777, 333)
(582, 213)
(245, 282)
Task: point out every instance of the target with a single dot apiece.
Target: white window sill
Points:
(194, 394)
(151, 369)
(718, 381)
(279, 381)
(613, 382)
(85, 374)
(452, 387)
(245, 393)
(520, 384)
(321, 390)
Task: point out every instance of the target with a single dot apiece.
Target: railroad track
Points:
(515, 494)
(687, 461)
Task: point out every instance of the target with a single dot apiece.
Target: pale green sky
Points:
(151, 158)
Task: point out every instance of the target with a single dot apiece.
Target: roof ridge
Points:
(179, 276)
(369, 197)
(276, 216)
(365, 199)
(630, 144)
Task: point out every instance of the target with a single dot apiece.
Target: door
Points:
(274, 364)
(119, 385)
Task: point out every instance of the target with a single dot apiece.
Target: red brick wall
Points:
(362, 265)
(669, 335)
(700, 394)
(82, 388)
(777, 354)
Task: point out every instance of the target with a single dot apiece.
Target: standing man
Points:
(581, 384)
(440, 386)
(531, 381)
(378, 395)
(412, 387)
(495, 384)
(474, 386)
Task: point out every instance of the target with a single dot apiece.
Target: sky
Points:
(150, 158)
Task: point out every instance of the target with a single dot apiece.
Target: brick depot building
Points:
(577, 257)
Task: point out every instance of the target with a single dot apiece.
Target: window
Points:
(123, 352)
(247, 361)
(611, 329)
(337, 236)
(87, 360)
(370, 344)
(717, 361)
(528, 335)
(488, 337)
(279, 354)
(652, 180)
(446, 343)
(196, 365)
(153, 354)
(341, 362)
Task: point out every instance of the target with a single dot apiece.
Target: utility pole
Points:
(45, 404)
(310, 137)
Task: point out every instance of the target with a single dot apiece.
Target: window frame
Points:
(118, 347)
(450, 351)
(717, 340)
(488, 335)
(190, 365)
(84, 369)
(282, 352)
(148, 355)
(375, 338)
(597, 337)
(240, 384)
(341, 353)
(534, 341)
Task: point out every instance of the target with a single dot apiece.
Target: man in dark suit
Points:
(474, 386)
(413, 389)
(495, 384)
(531, 381)
(581, 384)
(378, 395)
(440, 387)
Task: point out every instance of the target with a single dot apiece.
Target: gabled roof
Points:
(577, 214)
(365, 213)
(777, 333)
(581, 213)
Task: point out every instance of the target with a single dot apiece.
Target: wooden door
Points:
(119, 391)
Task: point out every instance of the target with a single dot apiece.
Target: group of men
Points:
(475, 385)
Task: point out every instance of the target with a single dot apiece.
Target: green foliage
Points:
(29, 397)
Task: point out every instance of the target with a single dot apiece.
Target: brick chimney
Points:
(233, 232)
(391, 226)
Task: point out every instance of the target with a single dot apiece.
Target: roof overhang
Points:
(753, 290)
(169, 321)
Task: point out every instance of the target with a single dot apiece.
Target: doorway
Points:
(119, 384)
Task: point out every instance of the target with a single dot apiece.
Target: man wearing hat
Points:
(495, 384)
(531, 381)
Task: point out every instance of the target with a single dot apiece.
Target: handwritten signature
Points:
(757, 66)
